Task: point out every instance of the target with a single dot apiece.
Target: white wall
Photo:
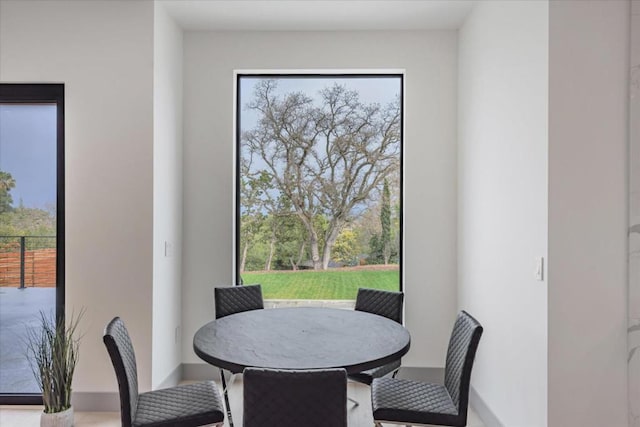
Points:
(502, 202)
(103, 52)
(429, 59)
(588, 129)
(167, 196)
(634, 222)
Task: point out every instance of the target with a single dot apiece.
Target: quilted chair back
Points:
(382, 303)
(236, 299)
(118, 343)
(460, 354)
(276, 398)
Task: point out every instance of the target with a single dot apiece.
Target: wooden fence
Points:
(39, 268)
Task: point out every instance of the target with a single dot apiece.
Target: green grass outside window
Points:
(321, 285)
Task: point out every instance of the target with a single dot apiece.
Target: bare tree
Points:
(251, 208)
(324, 158)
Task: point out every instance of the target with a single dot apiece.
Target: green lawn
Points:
(328, 285)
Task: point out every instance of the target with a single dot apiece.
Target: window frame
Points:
(238, 75)
(44, 93)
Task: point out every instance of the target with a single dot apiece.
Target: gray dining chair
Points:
(231, 300)
(236, 299)
(276, 398)
(401, 401)
(382, 303)
(184, 405)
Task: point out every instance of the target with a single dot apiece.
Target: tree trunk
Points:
(315, 252)
(332, 236)
(313, 241)
(326, 255)
(300, 253)
(244, 258)
(272, 246)
(386, 252)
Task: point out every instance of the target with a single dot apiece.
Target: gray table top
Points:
(301, 338)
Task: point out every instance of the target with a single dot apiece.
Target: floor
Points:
(359, 416)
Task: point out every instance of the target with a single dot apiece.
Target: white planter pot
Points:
(57, 419)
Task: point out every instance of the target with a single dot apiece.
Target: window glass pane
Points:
(319, 184)
(27, 233)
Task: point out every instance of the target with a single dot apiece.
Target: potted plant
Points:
(52, 351)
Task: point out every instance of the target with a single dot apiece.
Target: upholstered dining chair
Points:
(401, 401)
(236, 299)
(184, 405)
(276, 398)
(231, 300)
(382, 303)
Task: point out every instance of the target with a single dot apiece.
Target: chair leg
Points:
(226, 397)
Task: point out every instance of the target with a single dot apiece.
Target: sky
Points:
(28, 152)
(380, 89)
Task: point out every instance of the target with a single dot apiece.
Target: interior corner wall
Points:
(502, 203)
(103, 52)
(167, 199)
(588, 164)
(430, 61)
(633, 330)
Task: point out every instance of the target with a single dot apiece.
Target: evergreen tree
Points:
(6, 184)
(385, 221)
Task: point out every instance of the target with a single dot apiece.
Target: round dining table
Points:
(301, 338)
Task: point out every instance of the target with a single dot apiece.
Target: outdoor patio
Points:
(19, 309)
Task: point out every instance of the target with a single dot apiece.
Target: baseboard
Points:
(199, 372)
(96, 402)
(173, 378)
(425, 374)
(482, 409)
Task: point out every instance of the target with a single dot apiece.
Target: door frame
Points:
(36, 93)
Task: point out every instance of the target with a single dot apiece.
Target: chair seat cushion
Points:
(184, 405)
(366, 377)
(409, 402)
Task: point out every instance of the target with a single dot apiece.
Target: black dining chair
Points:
(276, 398)
(236, 299)
(382, 303)
(401, 401)
(184, 405)
(231, 300)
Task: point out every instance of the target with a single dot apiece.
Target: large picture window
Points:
(319, 184)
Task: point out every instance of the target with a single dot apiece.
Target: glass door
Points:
(31, 225)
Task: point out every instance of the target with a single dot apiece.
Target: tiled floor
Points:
(359, 416)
